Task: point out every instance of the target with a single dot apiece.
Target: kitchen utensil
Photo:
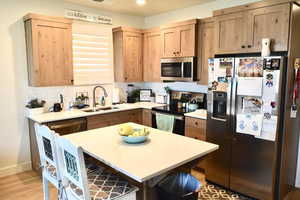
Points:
(57, 107)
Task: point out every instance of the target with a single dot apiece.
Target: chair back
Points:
(74, 174)
(47, 150)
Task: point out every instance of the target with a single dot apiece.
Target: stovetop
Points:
(171, 110)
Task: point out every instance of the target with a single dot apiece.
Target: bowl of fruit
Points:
(133, 135)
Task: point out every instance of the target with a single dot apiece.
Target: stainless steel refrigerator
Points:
(245, 117)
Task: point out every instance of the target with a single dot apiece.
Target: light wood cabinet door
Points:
(195, 128)
(187, 39)
(151, 56)
(206, 48)
(110, 119)
(128, 54)
(170, 43)
(179, 41)
(133, 57)
(269, 22)
(147, 117)
(230, 34)
(49, 50)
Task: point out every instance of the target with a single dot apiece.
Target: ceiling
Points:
(152, 7)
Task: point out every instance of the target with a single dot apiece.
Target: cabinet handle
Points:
(249, 46)
(243, 46)
(196, 123)
(72, 81)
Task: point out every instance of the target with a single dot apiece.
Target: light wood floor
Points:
(28, 186)
(24, 186)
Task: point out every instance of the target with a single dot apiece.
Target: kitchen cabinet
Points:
(179, 39)
(49, 50)
(243, 30)
(128, 54)
(110, 119)
(270, 22)
(230, 33)
(151, 55)
(147, 117)
(206, 48)
(195, 128)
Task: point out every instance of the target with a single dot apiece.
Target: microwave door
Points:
(171, 70)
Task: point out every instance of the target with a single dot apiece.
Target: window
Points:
(92, 53)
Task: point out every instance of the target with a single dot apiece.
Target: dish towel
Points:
(165, 122)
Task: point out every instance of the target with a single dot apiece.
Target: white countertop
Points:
(199, 114)
(75, 113)
(161, 153)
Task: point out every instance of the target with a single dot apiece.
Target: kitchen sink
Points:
(100, 109)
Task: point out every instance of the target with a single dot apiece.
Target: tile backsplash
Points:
(51, 94)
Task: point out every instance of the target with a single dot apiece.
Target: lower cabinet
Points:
(110, 119)
(196, 128)
(147, 117)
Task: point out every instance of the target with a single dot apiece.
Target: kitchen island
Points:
(160, 154)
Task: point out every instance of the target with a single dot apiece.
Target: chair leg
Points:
(46, 188)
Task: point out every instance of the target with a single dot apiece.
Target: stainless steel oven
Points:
(179, 69)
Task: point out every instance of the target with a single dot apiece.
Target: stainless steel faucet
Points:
(94, 95)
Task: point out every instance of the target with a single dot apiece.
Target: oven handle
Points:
(181, 118)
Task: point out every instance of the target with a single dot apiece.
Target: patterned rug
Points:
(213, 192)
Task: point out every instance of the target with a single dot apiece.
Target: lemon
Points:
(125, 130)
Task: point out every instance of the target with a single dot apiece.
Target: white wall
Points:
(14, 141)
(200, 11)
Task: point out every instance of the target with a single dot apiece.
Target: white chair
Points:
(48, 156)
(95, 185)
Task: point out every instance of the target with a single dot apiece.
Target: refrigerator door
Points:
(253, 151)
(219, 120)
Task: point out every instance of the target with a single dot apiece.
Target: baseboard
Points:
(14, 169)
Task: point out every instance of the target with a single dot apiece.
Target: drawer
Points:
(194, 122)
(196, 133)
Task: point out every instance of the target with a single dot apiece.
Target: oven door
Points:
(179, 123)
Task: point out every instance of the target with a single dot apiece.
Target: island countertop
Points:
(161, 153)
(75, 113)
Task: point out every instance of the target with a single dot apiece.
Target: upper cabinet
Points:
(270, 22)
(128, 54)
(179, 39)
(49, 50)
(241, 29)
(230, 33)
(206, 47)
(151, 55)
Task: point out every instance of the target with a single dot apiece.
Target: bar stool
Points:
(96, 185)
(48, 156)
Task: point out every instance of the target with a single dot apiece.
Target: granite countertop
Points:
(143, 161)
(199, 114)
(75, 113)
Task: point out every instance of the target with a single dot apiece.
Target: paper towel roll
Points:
(266, 47)
(116, 96)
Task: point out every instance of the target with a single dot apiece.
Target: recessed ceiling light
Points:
(141, 2)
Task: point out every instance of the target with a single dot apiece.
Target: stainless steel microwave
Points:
(179, 69)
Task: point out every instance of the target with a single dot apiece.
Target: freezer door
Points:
(253, 154)
(219, 120)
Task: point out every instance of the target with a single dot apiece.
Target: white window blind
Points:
(92, 53)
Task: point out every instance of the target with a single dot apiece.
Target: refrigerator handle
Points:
(234, 92)
(229, 89)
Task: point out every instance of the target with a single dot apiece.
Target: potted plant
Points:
(35, 107)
